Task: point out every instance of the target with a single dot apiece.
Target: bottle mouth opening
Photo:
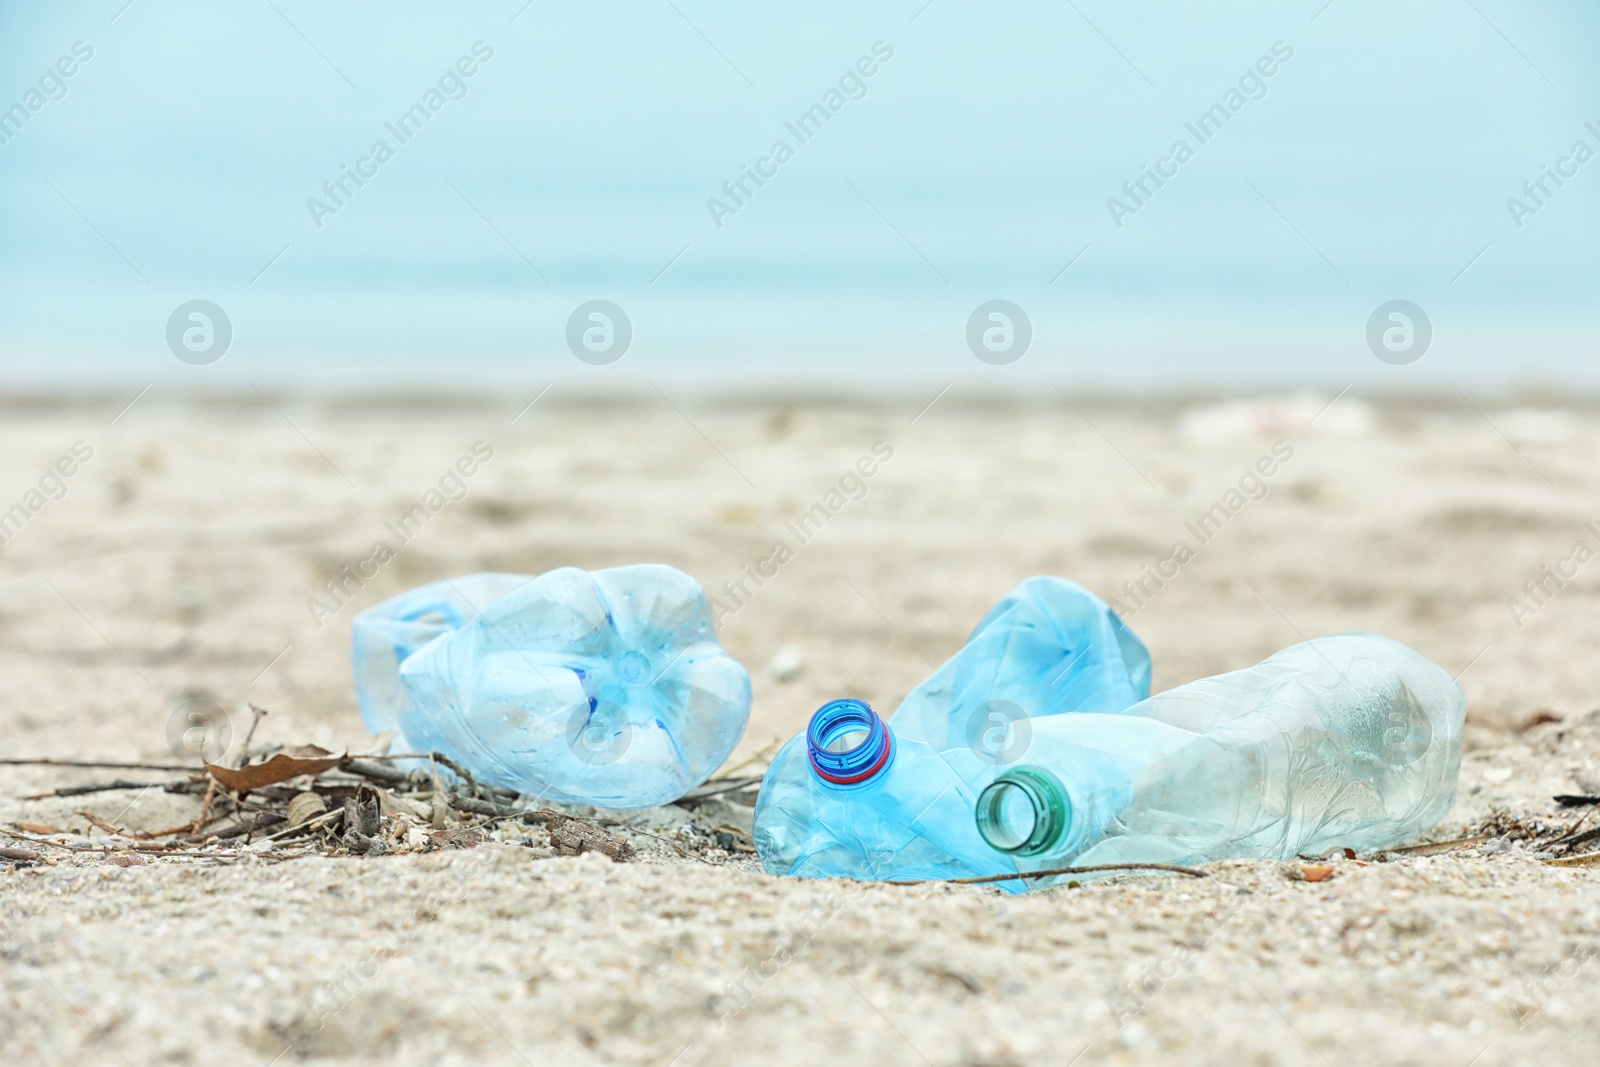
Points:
(1024, 812)
(848, 742)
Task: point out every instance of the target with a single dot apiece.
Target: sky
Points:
(1358, 153)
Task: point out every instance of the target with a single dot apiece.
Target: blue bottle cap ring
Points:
(859, 763)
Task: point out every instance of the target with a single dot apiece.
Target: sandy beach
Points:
(183, 550)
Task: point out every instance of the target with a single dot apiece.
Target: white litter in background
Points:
(1276, 416)
(1536, 426)
(786, 663)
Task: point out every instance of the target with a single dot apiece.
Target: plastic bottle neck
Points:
(848, 743)
(1024, 812)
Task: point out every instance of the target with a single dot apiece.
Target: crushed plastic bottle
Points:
(851, 798)
(385, 634)
(1352, 740)
(1050, 646)
(860, 798)
(608, 688)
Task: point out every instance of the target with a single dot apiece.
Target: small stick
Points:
(1440, 846)
(101, 849)
(41, 840)
(397, 755)
(334, 814)
(758, 754)
(712, 788)
(211, 791)
(102, 824)
(1190, 871)
(151, 835)
(1572, 831)
(244, 755)
(376, 771)
(440, 757)
(260, 822)
(94, 764)
(80, 790)
(1578, 839)
(475, 806)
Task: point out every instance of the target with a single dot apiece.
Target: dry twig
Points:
(980, 880)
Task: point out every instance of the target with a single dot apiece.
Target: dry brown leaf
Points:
(37, 828)
(290, 763)
(1538, 718)
(1317, 872)
(19, 855)
(1588, 859)
(304, 807)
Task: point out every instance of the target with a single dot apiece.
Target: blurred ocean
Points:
(1336, 156)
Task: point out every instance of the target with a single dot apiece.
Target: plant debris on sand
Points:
(285, 802)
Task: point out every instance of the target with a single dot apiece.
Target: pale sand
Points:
(184, 552)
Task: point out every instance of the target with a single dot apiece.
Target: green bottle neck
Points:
(1024, 812)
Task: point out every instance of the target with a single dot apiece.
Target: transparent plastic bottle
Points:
(1352, 740)
(385, 634)
(1048, 648)
(851, 798)
(608, 688)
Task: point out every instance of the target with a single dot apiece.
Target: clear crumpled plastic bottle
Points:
(607, 688)
(1049, 647)
(385, 634)
(859, 797)
(1346, 741)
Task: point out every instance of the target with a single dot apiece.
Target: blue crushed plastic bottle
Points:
(609, 689)
(851, 798)
(385, 634)
(1352, 740)
(1049, 647)
(860, 798)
